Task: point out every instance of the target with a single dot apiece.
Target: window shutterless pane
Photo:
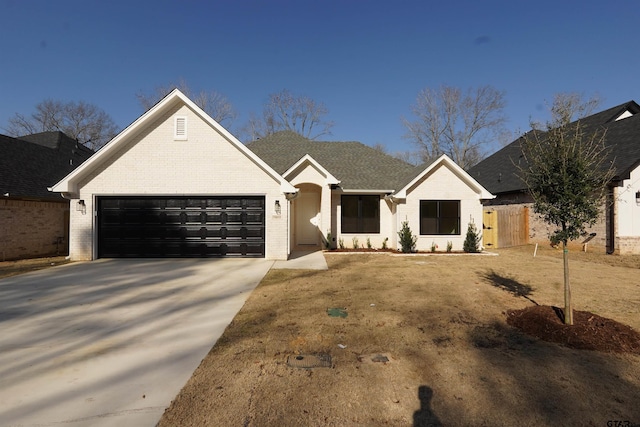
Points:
(360, 214)
(439, 217)
(349, 214)
(428, 208)
(370, 225)
(370, 214)
(449, 209)
(449, 226)
(428, 226)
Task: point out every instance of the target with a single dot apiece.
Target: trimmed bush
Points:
(473, 239)
(407, 239)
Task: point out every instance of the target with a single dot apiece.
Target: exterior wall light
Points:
(637, 197)
(278, 208)
(81, 206)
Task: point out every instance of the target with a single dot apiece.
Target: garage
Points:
(179, 227)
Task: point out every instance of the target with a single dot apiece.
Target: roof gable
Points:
(167, 104)
(445, 161)
(355, 165)
(308, 160)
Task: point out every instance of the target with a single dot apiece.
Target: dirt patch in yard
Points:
(13, 268)
(425, 341)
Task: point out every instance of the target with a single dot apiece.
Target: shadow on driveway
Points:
(111, 342)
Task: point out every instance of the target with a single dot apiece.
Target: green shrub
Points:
(354, 241)
(407, 239)
(473, 239)
(327, 242)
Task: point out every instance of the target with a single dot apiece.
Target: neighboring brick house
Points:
(177, 184)
(34, 222)
(618, 229)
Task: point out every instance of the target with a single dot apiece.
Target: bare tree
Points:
(84, 122)
(379, 146)
(567, 174)
(213, 103)
(410, 157)
(567, 107)
(459, 125)
(285, 111)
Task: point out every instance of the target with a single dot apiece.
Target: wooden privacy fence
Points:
(502, 228)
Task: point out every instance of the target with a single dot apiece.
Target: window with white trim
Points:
(180, 128)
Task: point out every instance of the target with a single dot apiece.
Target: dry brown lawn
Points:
(13, 268)
(440, 322)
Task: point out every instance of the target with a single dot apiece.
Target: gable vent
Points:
(624, 115)
(180, 128)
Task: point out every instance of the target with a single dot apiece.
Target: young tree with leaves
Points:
(567, 175)
(472, 240)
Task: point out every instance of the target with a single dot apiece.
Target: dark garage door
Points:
(148, 227)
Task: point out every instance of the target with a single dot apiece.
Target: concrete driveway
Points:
(112, 342)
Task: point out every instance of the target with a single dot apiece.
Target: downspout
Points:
(394, 221)
(611, 244)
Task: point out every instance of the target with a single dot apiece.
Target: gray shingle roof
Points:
(31, 163)
(498, 173)
(357, 166)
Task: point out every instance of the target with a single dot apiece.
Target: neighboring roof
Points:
(31, 163)
(499, 172)
(69, 183)
(355, 165)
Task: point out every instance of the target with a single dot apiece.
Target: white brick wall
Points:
(386, 225)
(441, 184)
(153, 163)
(628, 209)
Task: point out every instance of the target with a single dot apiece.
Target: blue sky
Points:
(365, 60)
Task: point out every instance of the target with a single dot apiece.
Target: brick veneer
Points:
(30, 229)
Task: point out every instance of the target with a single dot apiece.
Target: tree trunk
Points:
(568, 310)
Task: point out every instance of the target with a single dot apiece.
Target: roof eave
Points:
(366, 191)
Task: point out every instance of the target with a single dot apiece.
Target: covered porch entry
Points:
(307, 234)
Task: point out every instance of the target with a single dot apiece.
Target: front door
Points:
(307, 206)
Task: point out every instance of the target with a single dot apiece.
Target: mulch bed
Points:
(392, 251)
(588, 332)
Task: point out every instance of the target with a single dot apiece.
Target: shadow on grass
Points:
(425, 417)
(510, 285)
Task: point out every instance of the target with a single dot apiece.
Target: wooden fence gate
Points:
(502, 228)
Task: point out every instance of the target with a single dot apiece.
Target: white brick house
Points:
(175, 183)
